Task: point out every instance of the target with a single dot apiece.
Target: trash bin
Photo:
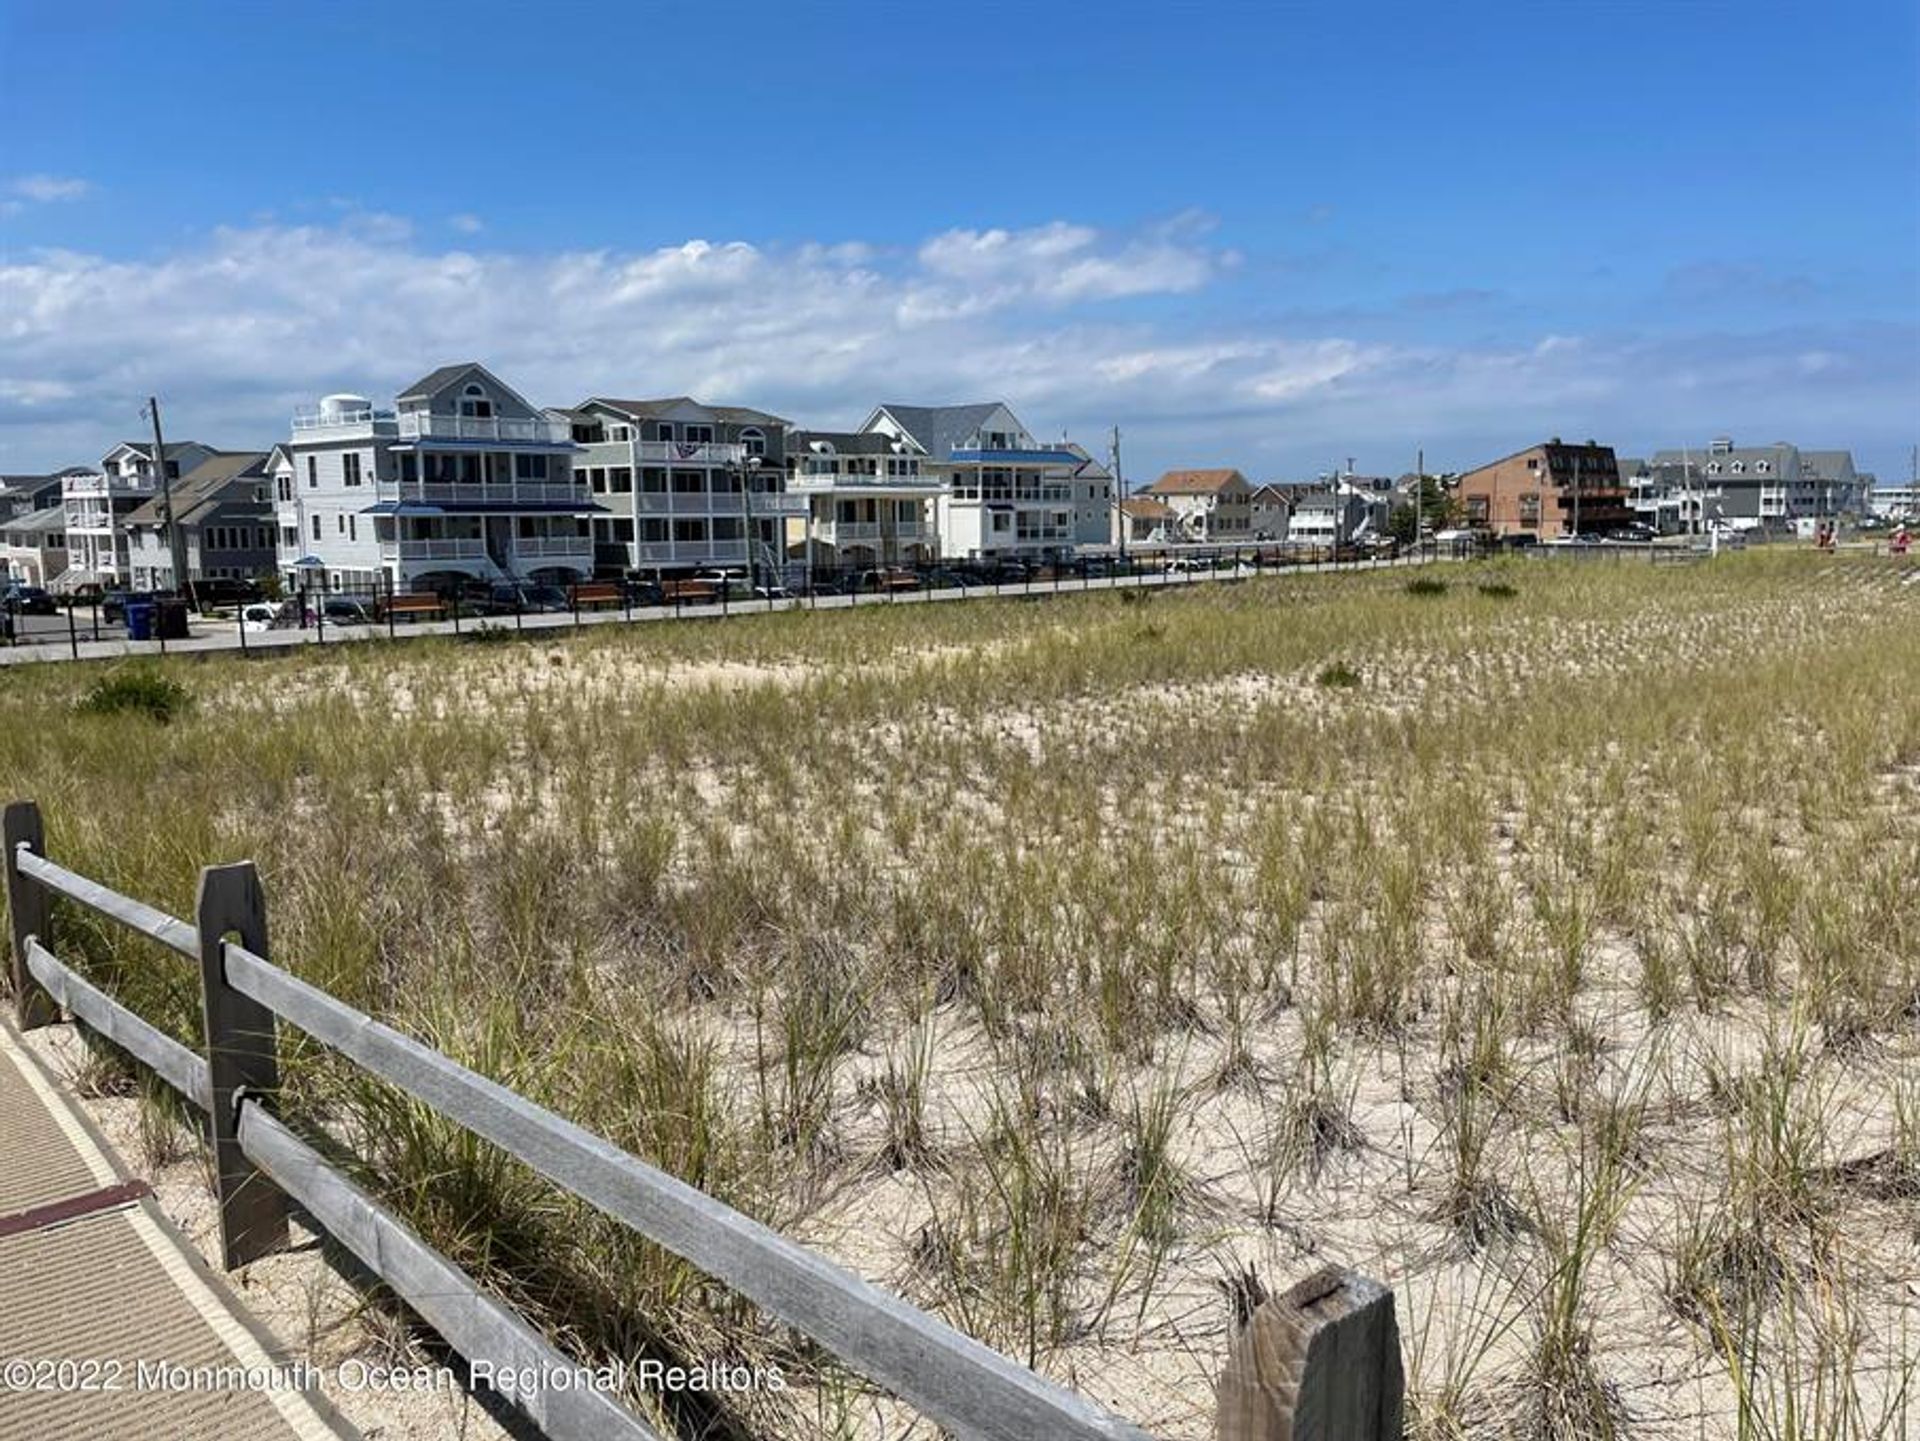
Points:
(140, 616)
(171, 621)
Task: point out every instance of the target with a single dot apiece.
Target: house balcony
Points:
(762, 504)
(903, 487)
(414, 550)
(687, 452)
(424, 425)
(362, 424)
(689, 552)
(540, 494)
(870, 532)
(81, 487)
(554, 547)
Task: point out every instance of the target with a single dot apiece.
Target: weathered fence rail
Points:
(1336, 1379)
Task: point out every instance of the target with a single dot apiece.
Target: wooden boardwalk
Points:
(110, 1323)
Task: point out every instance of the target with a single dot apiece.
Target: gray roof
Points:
(1828, 464)
(203, 488)
(844, 442)
(937, 429)
(53, 518)
(435, 381)
(650, 409)
(174, 447)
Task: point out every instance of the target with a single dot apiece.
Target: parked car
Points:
(643, 592)
(1634, 533)
(345, 610)
(225, 591)
(260, 615)
(20, 599)
(943, 578)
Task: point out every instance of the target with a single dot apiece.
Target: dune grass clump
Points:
(137, 690)
(1338, 676)
(1427, 585)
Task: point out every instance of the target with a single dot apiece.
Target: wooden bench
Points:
(690, 592)
(595, 593)
(414, 607)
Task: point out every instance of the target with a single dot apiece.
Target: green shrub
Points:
(142, 691)
(1426, 585)
(1339, 676)
(1498, 589)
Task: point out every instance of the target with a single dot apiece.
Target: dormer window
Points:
(755, 441)
(1713, 467)
(1762, 467)
(1739, 467)
(474, 403)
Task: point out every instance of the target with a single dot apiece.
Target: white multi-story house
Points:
(1210, 507)
(683, 486)
(225, 513)
(33, 546)
(1003, 492)
(98, 503)
(1341, 512)
(1769, 485)
(462, 479)
(868, 502)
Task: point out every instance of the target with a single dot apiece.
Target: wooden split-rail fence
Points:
(1318, 1363)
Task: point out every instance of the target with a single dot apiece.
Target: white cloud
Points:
(467, 224)
(42, 189)
(1073, 325)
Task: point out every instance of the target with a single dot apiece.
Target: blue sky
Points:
(1258, 235)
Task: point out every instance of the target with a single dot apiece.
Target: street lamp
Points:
(743, 470)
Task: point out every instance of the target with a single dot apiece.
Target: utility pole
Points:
(1119, 492)
(176, 542)
(1419, 495)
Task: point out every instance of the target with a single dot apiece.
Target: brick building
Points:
(1541, 490)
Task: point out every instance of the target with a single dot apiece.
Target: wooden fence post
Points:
(1320, 1363)
(30, 910)
(241, 1057)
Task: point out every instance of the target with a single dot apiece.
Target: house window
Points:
(620, 480)
(754, 441)
(530, 467)
(474, 403)
(350, 466)
(289, 536)
(689, 530)
(408, 469)
(353, 528)
(284, 488)
(316, 527)
(699, 434)
(313, 472)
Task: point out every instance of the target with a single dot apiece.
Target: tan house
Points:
(1547, 491)
(1148, 522)
(1209, 506)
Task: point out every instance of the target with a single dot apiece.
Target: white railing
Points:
(366, 418)
(689, 552)
(905, 485)
(457, 491)
(421, 424)
(100, 485)
(464, 549)
(569, 545)
(710, 502)
(689, 452)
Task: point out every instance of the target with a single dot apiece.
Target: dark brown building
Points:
(1547, 491)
